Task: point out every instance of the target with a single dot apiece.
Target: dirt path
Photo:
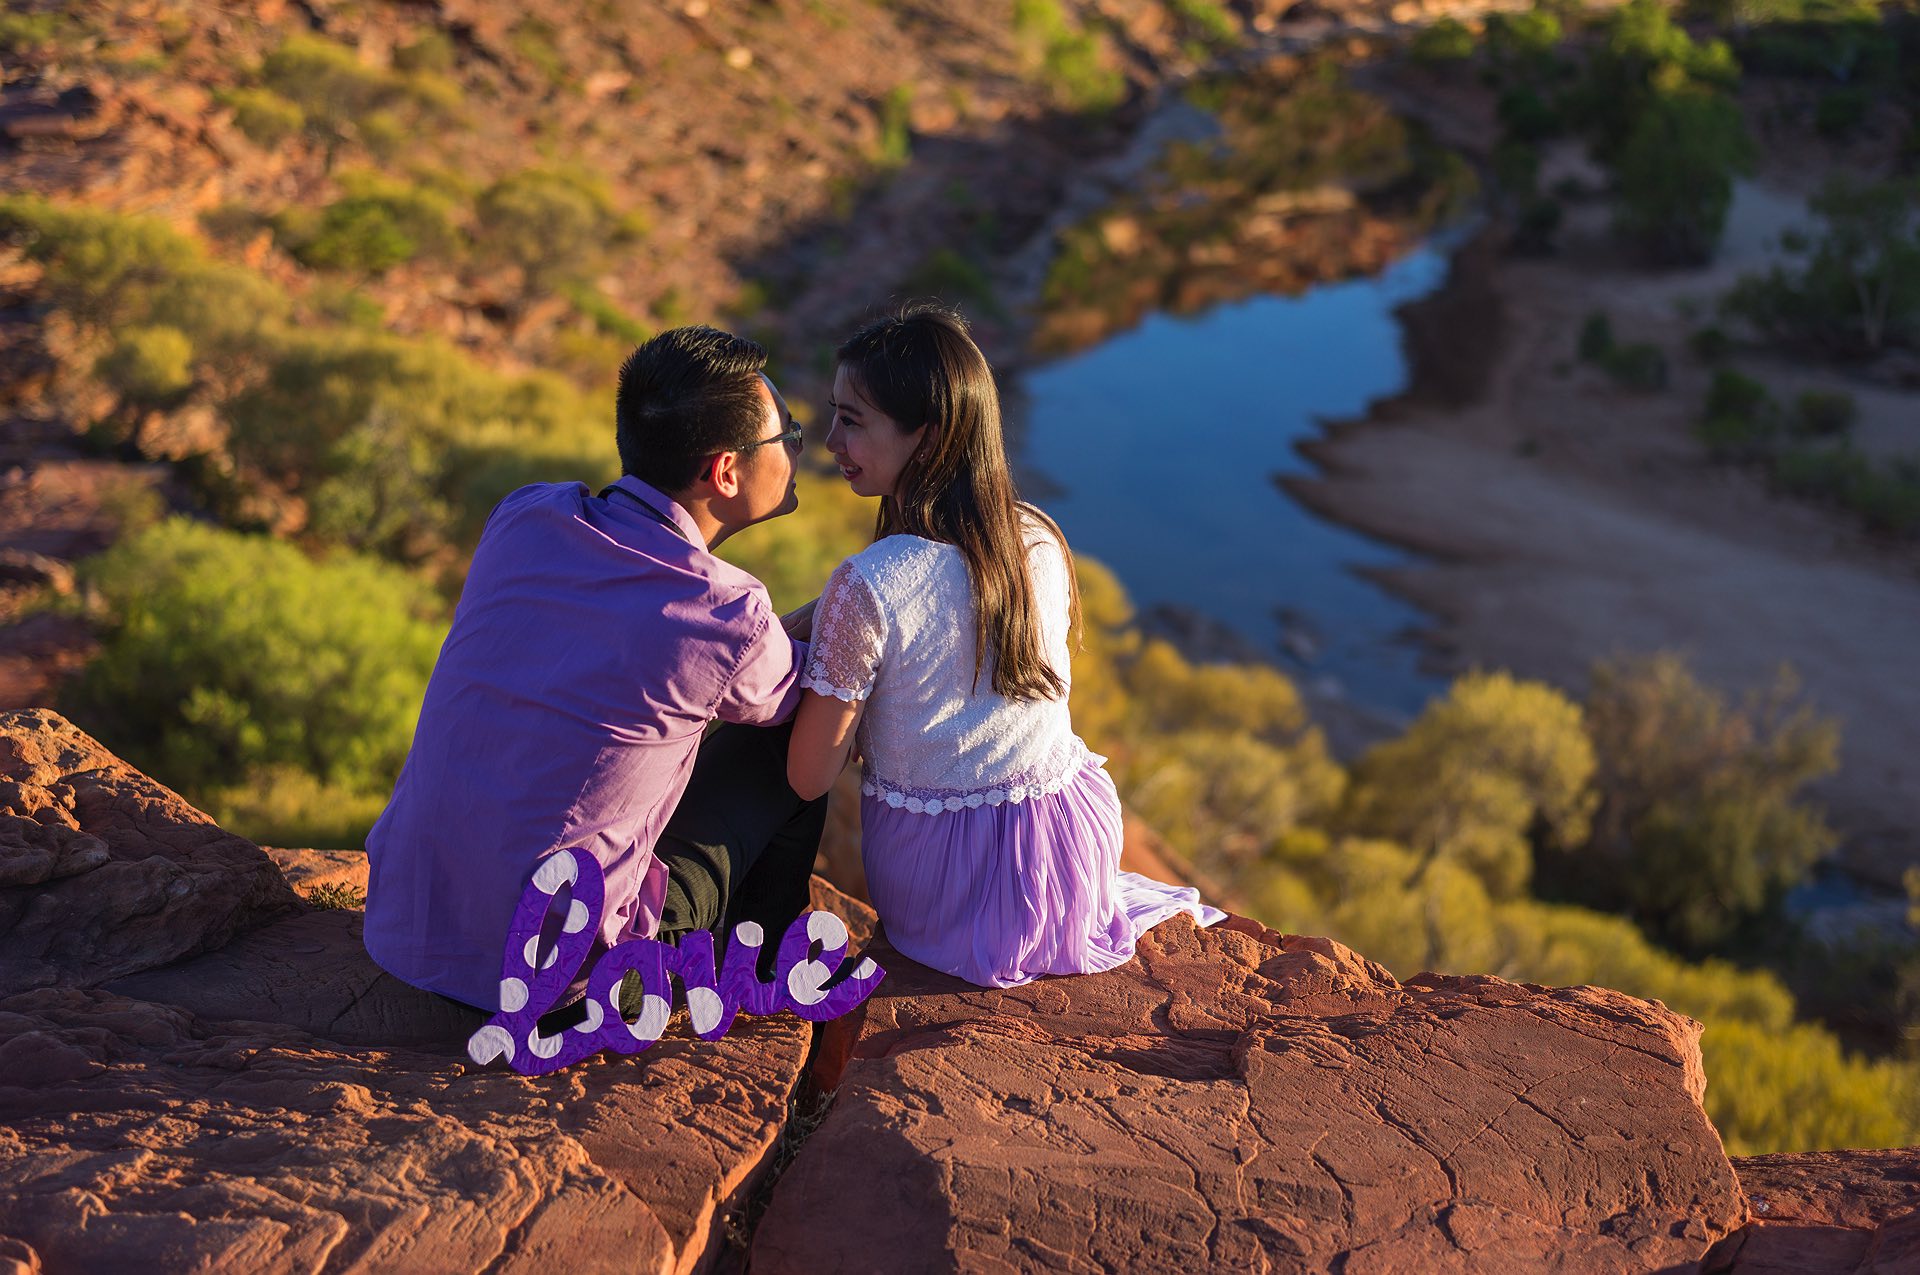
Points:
(1569, 519)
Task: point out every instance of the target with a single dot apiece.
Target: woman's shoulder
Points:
(897, 556)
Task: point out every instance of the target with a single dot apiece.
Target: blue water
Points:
(1158, 447)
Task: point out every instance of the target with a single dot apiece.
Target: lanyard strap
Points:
(615, 489)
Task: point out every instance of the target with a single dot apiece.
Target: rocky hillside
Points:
(198, 1067)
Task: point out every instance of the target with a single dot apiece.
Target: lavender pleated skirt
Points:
(1000, 895)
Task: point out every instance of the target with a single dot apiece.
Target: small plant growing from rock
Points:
(336, 895)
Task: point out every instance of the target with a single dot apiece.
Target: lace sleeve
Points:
(848, 635)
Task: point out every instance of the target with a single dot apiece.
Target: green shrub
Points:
(1710, 344)
(607, 315)
(285, 806)
(336, 895)
(952, 277)
(379, 224)
(1702, 825)
(1596, 336)
(1527, 115)
(25, 32)
(149, 365)
(556, 225)
(896, 127)
(1481, 775)
(338, 93)
(1824, 412)
(1733, 394)
(1735, 437)
(532, 39)
(358, 235)
(1886, 496)
(1795, 1089)
(1208, 21)
(1447, 40)
(1639, 366)
(1740, 419)
(1524, 42)
(263, 115)
(1841, 110)
(111, 271)
(228, 653)
(432, 51)
(1071, 61)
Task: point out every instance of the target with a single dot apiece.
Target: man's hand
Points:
(799, 622)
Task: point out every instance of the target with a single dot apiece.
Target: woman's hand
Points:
(822, 740)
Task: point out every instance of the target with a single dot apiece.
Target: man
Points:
(595, 639)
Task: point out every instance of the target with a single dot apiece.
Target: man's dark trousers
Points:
(740, 845)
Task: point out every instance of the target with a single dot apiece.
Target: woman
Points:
(990, 834)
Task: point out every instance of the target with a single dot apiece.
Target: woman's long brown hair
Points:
(921, 367)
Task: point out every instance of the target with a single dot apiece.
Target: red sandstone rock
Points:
(1229, 1103)
(141, 1136)
(281, 1103)
(306, 870)
(103, 871)
(1826, 1213)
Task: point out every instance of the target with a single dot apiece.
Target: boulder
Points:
(104, 872)
(1237, 1099)
(1826, 1213)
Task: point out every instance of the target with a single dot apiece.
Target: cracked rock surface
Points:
(1241, 1100)
(199, 1073)
(103, 871)
(1851, 1212)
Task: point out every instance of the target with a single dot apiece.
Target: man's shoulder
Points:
(735, 588)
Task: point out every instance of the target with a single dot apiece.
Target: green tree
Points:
(1482, 775)
(403, 444)
(1701, 824)
(1872, 246)
(226, 654)
(1675, 173)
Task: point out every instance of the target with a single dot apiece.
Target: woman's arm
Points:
(822, 740)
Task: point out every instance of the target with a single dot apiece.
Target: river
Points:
(1157, 451)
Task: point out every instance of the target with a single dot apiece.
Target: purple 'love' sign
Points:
(534, 974)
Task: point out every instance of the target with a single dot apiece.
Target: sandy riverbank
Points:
(1567, 519)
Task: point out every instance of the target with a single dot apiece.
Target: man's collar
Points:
(665, 504)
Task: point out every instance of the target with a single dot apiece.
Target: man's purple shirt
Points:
(591, 647)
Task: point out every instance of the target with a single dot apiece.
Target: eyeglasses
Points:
(793, 438)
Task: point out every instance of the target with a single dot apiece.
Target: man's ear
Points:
(725, 474)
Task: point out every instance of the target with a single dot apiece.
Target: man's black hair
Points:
(686, 395)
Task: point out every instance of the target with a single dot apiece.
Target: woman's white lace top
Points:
(894, 626)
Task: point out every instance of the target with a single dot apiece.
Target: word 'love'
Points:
(532, 978)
